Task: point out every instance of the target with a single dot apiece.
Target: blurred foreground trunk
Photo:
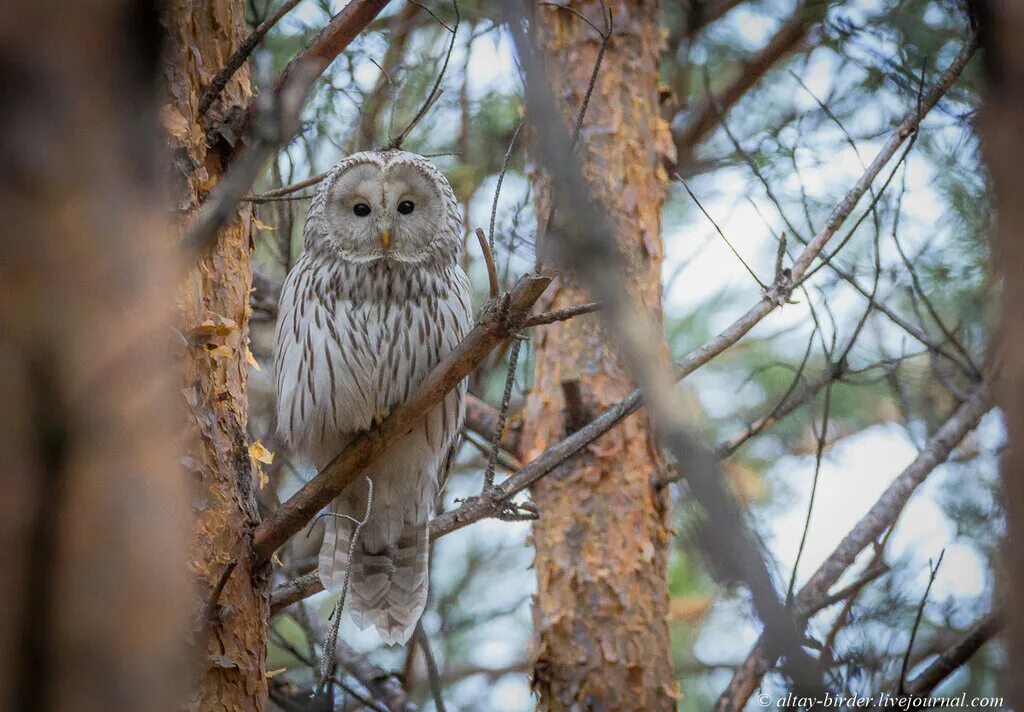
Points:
(93, 586)
(601, 630)
(1002, 129)
(214, 299)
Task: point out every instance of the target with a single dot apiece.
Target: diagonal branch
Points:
(330, 42)
(983, 630)
(878, 519)
(790, 37)
(499, 320)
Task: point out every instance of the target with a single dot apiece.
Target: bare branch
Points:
(312, 61)
(725, 239)
(562, 314)
(492, 269)
(433, 675)
(699, 122)
(289, 189)
(501, 179)
(905, 667)
(330, 645)
(983, 630)
(880, 517)
(499, 427)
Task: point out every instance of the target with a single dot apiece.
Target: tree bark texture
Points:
(1002, 126)
(214, 319)
(600, 616)
(93, 517)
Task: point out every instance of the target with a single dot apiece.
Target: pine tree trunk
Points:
(93, 513)
(601, 630)
(214, 318)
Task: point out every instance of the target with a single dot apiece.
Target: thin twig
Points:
(492, 269)
(433, 674)
(819, 452)
(213, 603)
(289, 189)
(562, 314)
(435, 91)
(905, 667)
(721, 234)
(330, 645)
(499, 427)
(501, 179)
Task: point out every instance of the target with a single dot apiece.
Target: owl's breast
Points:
(356, 344)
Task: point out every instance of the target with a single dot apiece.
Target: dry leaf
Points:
(259, 453)
(260, 225)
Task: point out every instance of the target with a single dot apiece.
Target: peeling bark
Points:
(214, 318)
(601, 612)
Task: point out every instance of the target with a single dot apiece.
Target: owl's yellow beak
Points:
(385, 239)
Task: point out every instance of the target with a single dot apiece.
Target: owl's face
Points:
(388, 206)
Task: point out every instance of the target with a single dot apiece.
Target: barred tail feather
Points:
(387, 588)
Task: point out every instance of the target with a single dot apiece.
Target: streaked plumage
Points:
(373, 303)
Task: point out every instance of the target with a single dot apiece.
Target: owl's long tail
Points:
(387, 587)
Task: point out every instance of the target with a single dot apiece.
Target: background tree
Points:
(603, 537)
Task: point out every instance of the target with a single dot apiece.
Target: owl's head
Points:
(385, 205)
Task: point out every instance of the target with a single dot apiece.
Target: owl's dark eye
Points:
(406, 207)
(361, 209)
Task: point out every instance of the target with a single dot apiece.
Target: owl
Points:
(372, 305)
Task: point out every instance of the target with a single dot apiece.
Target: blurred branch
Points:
(275, 119)
(881, 516)
(314, 59)
(433, 675)
(497, 323)
(696, 124)
(983, 630)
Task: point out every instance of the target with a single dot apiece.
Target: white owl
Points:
(374, 302)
